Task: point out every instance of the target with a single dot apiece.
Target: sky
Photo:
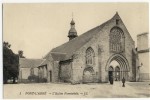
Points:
(37, 28)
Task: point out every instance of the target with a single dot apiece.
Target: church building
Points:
(105, 51)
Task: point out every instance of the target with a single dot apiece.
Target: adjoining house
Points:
(28, 71)
(105, 51)
(143, 53)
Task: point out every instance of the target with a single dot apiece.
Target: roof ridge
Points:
(30, 63)
(58, 52)
(42, 62)
(31, 58)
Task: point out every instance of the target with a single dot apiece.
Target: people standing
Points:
(123, 81)
(111, 80)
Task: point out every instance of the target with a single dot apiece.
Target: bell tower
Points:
(72, 32)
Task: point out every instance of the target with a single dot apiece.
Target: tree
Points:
(20, 53)
(33, 78)
(10, 63)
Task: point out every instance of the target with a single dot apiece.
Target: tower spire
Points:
(72, 15)
(72, 32)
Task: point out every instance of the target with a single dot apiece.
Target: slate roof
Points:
(58, 56)
(66, 50)
(29, 63)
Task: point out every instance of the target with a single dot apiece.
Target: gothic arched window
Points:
(89, 56)
(116, 40)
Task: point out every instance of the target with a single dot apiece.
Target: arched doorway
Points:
(117, 66)
(88, 75)
(117, 73)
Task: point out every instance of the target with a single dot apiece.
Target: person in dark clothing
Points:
(111, 80)
(123, 81)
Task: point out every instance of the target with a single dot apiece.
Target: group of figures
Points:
(111, 80)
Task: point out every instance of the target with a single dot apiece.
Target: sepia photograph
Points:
(75, 50)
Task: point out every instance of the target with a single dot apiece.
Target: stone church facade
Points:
(103, 52)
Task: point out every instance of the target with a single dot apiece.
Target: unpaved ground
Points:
(99, 90)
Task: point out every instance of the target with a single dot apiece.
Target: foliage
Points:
(42, 80)
(20, 53)
(33, 78)
(10, 63)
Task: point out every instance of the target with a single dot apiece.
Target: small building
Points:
(28, 71)
(103, 52)
(143, 53)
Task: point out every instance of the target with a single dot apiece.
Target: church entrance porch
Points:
(117, 68)
(115, 74)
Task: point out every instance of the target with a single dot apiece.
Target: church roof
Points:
(44, 62)
(29, 63)
(73, 45)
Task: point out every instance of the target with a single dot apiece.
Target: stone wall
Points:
(142, 41)
(25, 73)
(79, 63)
(65, 71)
(145, 68)
(52, 72)
(143, 53)
(55, 72)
